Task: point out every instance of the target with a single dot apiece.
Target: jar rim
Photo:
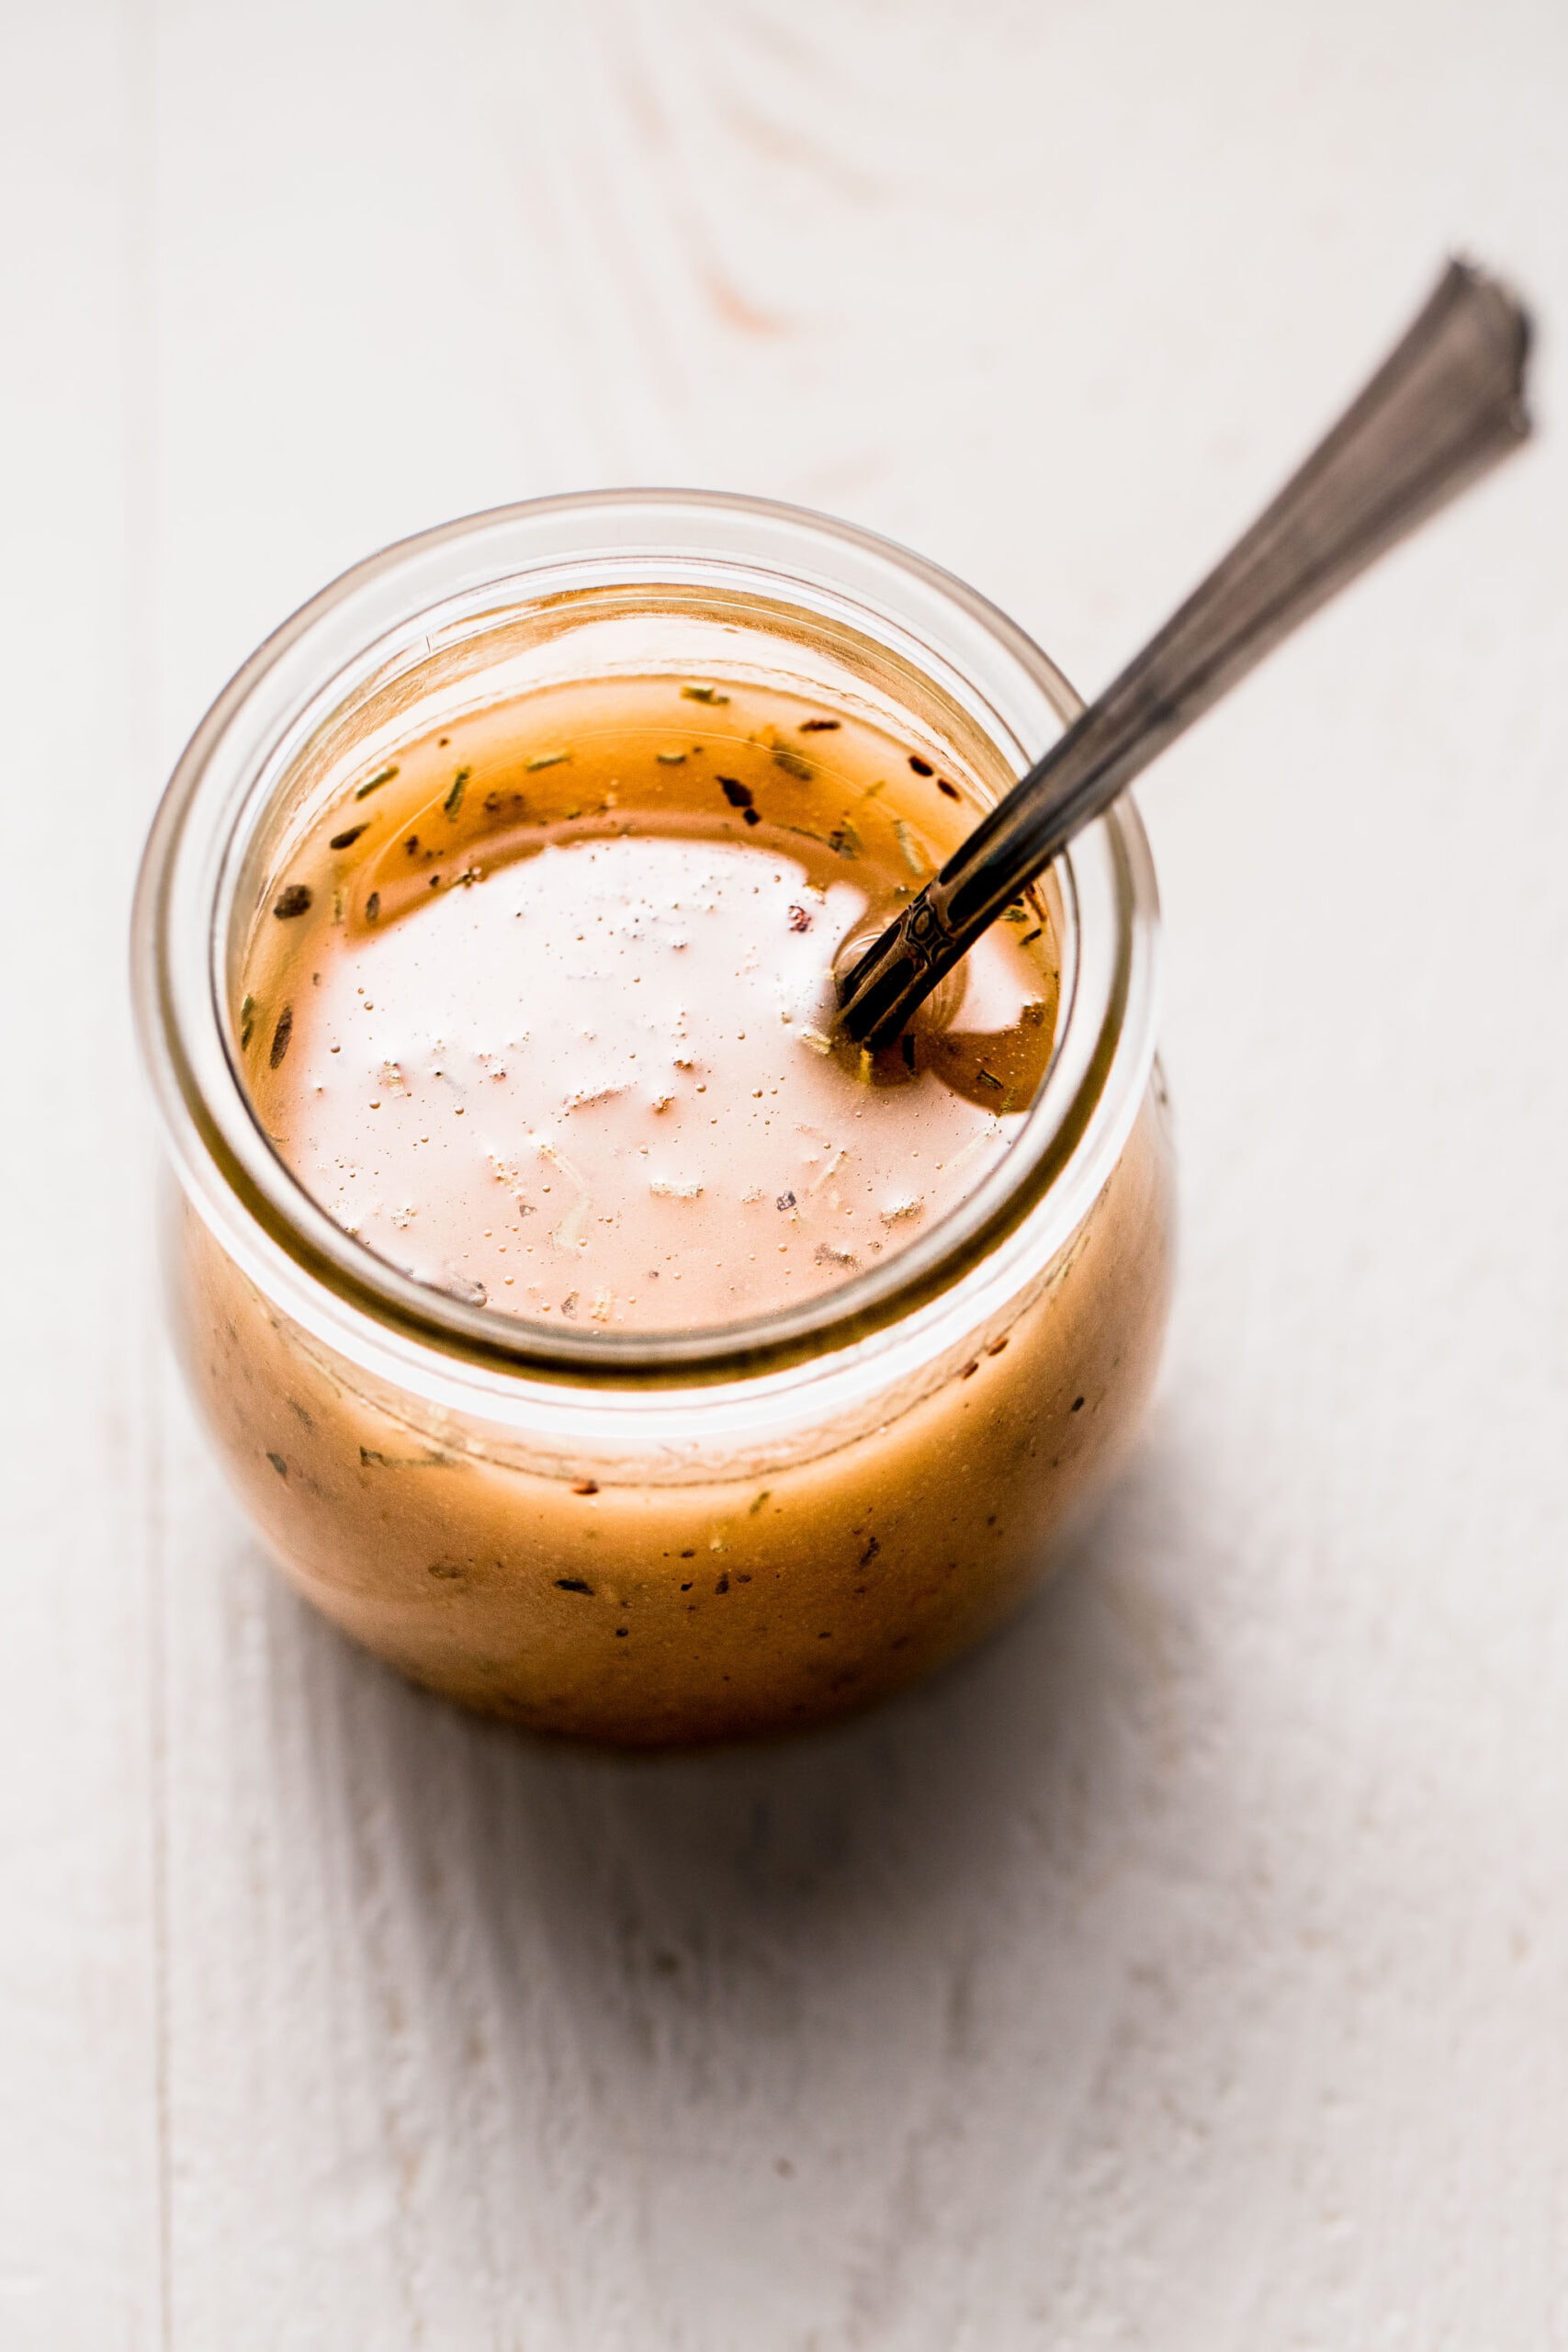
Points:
(1057, 1161)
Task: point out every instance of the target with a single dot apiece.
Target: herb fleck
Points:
(704, 694)
(347, 839)
(792, 763)
(281, 1466)
(247, 1020)
(295, 901)
(906, 843)
(819, 726)
(844, 841)
(671, 759)
(921, 767)
(373, 907)
(573, 1584)
(545, 760)
(585, 1486)
(1031, 937)
(374, 783)
(951, 790)
(736, 794)
(986, 1078)
(281, 1035)
(454, 799)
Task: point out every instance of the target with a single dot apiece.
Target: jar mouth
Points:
(455, 588)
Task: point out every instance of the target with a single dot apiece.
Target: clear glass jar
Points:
(701, 1534)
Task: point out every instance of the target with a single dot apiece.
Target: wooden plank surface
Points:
(1190, 1968)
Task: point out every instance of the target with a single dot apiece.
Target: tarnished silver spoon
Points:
(1445, 405)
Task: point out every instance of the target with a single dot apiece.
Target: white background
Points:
(1189, 1970)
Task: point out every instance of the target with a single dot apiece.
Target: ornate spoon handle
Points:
(1445, 405)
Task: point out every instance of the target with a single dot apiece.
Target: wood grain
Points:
(1189, 1969)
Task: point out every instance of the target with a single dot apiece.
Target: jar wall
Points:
(696, 1535)
(615, 1607)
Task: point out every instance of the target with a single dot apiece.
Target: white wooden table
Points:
(1189, 1970)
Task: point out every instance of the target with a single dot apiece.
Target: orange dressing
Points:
(542, 1011)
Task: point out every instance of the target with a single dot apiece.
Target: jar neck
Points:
(480, 611)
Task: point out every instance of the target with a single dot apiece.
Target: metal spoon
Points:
(1445, 405)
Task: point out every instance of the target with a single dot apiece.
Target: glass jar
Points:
(690, 1535)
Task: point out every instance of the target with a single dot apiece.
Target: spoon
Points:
(1447, 403)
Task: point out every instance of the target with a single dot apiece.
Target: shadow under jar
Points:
(655, 1535)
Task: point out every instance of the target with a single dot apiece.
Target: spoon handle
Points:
(1445, 405)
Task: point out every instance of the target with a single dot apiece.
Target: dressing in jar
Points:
(588, 1329)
